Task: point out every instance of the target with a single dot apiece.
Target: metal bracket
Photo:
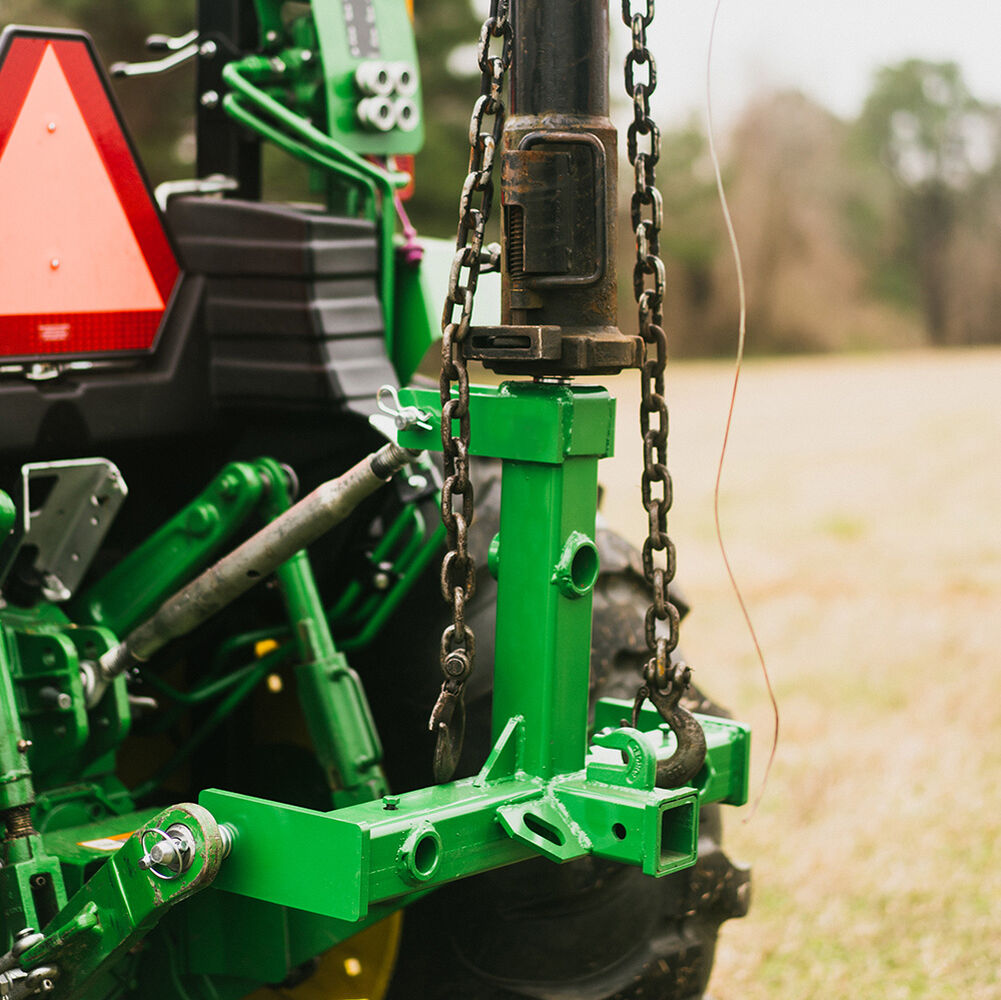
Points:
(500, 342)
(67, 526)
(124, 899)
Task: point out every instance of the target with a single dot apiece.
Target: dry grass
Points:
(861, 506)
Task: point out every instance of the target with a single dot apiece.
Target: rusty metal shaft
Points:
(558, 184)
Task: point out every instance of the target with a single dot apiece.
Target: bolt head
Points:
(200, 519)
(229, 485)
(162, 853)
(456, 664)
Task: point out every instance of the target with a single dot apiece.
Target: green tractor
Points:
(246, 748)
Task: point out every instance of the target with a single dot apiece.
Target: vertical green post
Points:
(549, 437)
(546, 568)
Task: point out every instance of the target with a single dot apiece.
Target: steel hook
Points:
(690, 752)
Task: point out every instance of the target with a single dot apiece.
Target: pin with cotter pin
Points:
(404, 417)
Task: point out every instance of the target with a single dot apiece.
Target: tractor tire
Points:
(589, 929)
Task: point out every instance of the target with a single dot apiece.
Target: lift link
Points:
(458, 571)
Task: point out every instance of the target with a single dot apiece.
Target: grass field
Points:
(862, 511)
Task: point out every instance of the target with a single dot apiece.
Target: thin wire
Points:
(741, 337)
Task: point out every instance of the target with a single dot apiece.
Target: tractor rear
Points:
(245, 745)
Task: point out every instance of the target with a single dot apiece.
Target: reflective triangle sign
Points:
(85, 265)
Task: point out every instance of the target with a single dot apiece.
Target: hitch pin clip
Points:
(404, 417)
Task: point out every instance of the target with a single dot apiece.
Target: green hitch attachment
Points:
(546, 788)
(401, 845)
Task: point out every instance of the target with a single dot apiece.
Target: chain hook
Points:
(664, 684)
(448, 721)
(458, 579)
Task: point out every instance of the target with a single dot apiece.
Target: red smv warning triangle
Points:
(85, 265)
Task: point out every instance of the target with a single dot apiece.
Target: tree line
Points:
(880, 231)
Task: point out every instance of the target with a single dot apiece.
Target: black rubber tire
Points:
(589, 929)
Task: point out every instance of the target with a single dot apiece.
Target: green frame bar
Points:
(550, 438)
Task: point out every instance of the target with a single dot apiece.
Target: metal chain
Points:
(647, 212)
(458, 571)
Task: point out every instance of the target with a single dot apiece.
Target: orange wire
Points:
(741, 336)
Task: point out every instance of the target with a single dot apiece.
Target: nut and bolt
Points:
(229, 485)
(382, 579)
(54, 698)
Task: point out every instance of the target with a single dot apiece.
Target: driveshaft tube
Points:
(254, 560)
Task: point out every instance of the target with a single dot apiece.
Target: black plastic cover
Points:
(291, 307)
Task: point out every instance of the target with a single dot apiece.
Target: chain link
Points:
(458, 570)
(647, 212)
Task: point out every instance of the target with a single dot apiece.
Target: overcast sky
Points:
(829, 50)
